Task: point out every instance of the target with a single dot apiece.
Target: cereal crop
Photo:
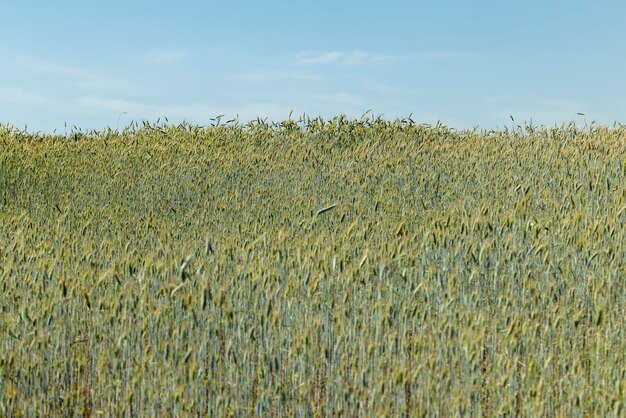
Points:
(344, 267)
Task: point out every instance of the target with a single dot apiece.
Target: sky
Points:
(99, 64)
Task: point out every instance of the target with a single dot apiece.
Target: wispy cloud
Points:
(444, 55)
(338, 57)
(81, 77)
(544, 110)
(378, 87)
(166, 57)
(22, 96)
(340, 98)
(318, 58)
(109, 108)
(262, 75)
(194, 111)
(360, 57)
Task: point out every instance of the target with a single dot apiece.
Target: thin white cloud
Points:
(360, 57)
(573, 105)
(340, 98)
(21, 96)
(536, 115)
(319, 58)
(81, 77)
(338, 57)
(444, 55)
(166, 57)
(107, 108)
(540, 110)
(198, 112)
(378, 87)
(262, 75)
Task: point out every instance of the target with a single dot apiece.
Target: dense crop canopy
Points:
(337, 267)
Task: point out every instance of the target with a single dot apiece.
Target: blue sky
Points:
(92, 64)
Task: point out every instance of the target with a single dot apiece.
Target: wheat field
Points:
(313, 268)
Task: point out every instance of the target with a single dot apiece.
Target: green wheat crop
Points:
(313, 268)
